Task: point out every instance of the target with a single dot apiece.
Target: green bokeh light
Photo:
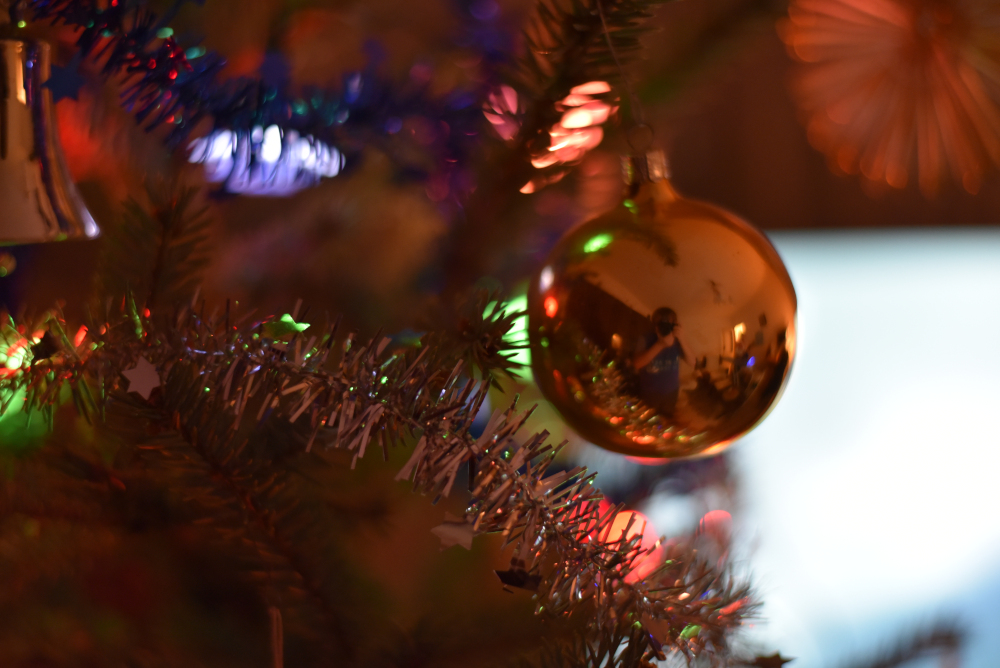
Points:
(690, 631)
(14, 356)
(297, 326)
(518, 333)
(597, 242)
(284, 326)
(16, 359)
(20, 431)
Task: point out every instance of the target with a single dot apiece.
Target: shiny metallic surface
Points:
(38, 201)
(726, 311)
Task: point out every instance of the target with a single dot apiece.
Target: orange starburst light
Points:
(893, 88)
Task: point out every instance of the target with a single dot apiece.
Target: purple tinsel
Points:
(169, 85)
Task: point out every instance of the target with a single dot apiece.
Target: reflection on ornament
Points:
(896, 86)
(664, 328)
(38, 201)
(265, 162)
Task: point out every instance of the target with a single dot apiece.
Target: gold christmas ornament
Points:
(665, 327)
(38, 201)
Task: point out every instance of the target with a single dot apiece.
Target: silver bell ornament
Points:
(664, 328)
(38, 201)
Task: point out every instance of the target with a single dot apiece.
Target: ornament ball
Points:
(665, 327)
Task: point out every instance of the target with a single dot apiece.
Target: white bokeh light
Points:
(267, 162)
(270, 147)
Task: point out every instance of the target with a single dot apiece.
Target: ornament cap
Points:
(648, 167)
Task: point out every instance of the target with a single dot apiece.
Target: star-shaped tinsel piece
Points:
(454, 531)
(773, 661)
(142, 378)
(276, 329)
(65, 81)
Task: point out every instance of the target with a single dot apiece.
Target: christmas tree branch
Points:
(231, 499)
(232, 407)
(218, 381)
(157, 255)
(565, 46)
(944, 638)
(569, 44)
(50, 505)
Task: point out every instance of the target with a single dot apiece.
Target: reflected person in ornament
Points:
(658, 362)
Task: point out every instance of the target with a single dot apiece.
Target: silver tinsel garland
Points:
(345, 395)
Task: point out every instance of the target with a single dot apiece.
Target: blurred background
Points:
(868, 492)
(715, 79)
(864, 507)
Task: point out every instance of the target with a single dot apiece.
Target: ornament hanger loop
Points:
(635, 108)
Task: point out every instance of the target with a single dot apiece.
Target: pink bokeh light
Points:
(577, 133)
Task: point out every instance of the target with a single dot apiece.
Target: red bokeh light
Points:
(81, 334)
(645, 461)
(645, 563)
(717, 525)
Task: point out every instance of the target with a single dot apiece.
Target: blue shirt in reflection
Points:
(663, 374)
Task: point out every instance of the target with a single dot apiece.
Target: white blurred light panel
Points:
(872, 501)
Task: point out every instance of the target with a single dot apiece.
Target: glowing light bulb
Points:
(597, 242)
(545, 279)
(265, 161)
(270, 148)
(591, 88)
(647, 563)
